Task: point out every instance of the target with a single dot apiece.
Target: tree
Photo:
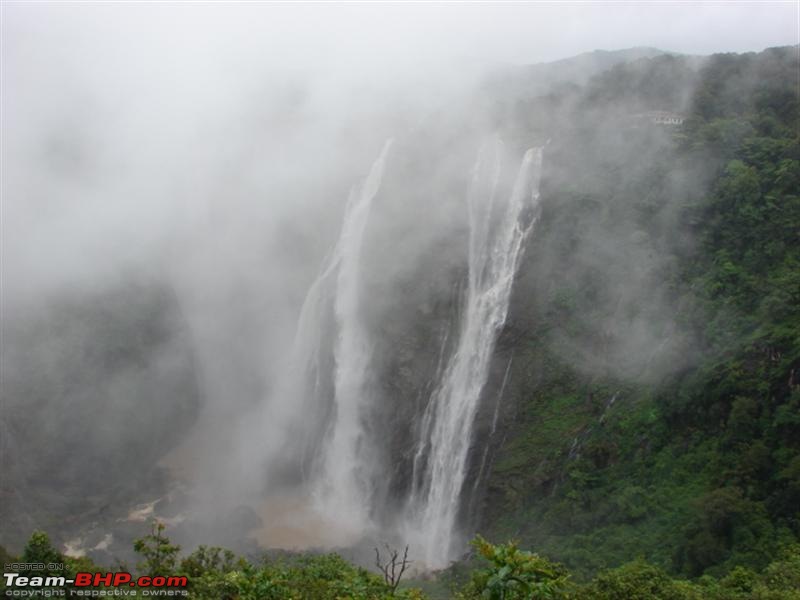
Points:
(39, 550)
(211, 559)
(160, 555)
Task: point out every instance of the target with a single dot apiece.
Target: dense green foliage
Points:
(217, 574)
(506, 573)
(681, 447)
(514, 573)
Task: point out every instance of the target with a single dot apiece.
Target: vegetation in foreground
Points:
(496, 572)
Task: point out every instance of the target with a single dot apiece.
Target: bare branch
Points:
(394, 567)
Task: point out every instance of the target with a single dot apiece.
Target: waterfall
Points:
(329, 389)
(496, 239)
(342, 477)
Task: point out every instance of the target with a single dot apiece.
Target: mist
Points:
(175, 178)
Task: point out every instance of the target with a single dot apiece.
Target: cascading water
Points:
(328, 388)
(495, 244)
(342, 477)
(316, 414)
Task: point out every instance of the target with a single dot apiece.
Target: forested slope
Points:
(655, 332)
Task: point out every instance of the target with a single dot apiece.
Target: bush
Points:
(515, 574)
(637, 580)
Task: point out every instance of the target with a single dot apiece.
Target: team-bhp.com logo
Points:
(87, 584)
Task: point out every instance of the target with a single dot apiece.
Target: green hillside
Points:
(676, 436)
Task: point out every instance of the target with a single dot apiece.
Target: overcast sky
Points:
(369, 33)
(138, 86)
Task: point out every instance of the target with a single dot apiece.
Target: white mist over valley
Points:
(274, 274)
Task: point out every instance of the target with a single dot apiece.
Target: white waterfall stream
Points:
(331, 367)
(496, 239)
(343, 480)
